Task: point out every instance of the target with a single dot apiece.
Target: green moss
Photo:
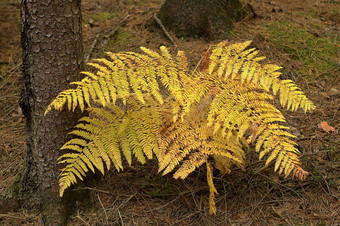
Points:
(310, 12)
(99, 17)
(16, 185)
(233, 33)
(157, 185)
(121, 41)
(139, 3)
(318, 55)
(334, 13)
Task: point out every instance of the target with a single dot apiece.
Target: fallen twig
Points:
(164, 30)
(112, 32)
(288, 222)
(329, 190)
(100, 201)
(12, 70)
(120, 217)
(280, 184)
(107, 35)
(93, 189)
(79, 217)
(94, 43)
(257, 204)
(252, 13)
(321, 152)
(152, 213)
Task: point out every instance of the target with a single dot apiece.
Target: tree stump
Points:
(209, 19)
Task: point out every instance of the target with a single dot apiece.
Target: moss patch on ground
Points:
(319, 56)
(121, 41)
(98, 17)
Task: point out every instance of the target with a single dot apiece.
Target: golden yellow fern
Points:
(191, 142)
(145, 105)
(127, 74)
(234, 61)
(104, 135)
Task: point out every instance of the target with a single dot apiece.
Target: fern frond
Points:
(192, 139)
(237, 62)
(101, 137)
(195, 160)
(292, 97)
(127, 71)
(135, 102)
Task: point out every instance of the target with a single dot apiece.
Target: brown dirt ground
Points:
(138, 195)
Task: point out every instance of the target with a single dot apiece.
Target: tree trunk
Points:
(52, 57)
(210, 19)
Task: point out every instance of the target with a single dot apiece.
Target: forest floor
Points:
(302, 36)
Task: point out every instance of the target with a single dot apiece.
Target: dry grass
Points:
(138, 195)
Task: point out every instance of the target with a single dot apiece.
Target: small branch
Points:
(329, 190)
(131, 196)
(112, 32)
(94, 43)
(250, 15)
(289, 223)
(153, 215)
(164, 30)
(12, 70)
(280, 184)
(120, 216)
(320, 152)
(107, 35)
(257, 204)
(262, 168)
(92, 189)
(100, 201)
(79, 217)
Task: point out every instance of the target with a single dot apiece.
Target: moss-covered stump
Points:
(210, 19)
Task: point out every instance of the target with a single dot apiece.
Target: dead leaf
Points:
(325, 95)
(242, 215)
(254, 128)
(321, 160)
(327, 128)
(295, 131)
(205, 60)
(334, 92)
(330, 93)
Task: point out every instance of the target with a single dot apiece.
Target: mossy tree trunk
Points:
(210, 19)
(52, 57)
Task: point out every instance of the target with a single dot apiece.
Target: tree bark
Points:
(210, 19)
(52, 57)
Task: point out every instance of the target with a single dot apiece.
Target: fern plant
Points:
(146, 105)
